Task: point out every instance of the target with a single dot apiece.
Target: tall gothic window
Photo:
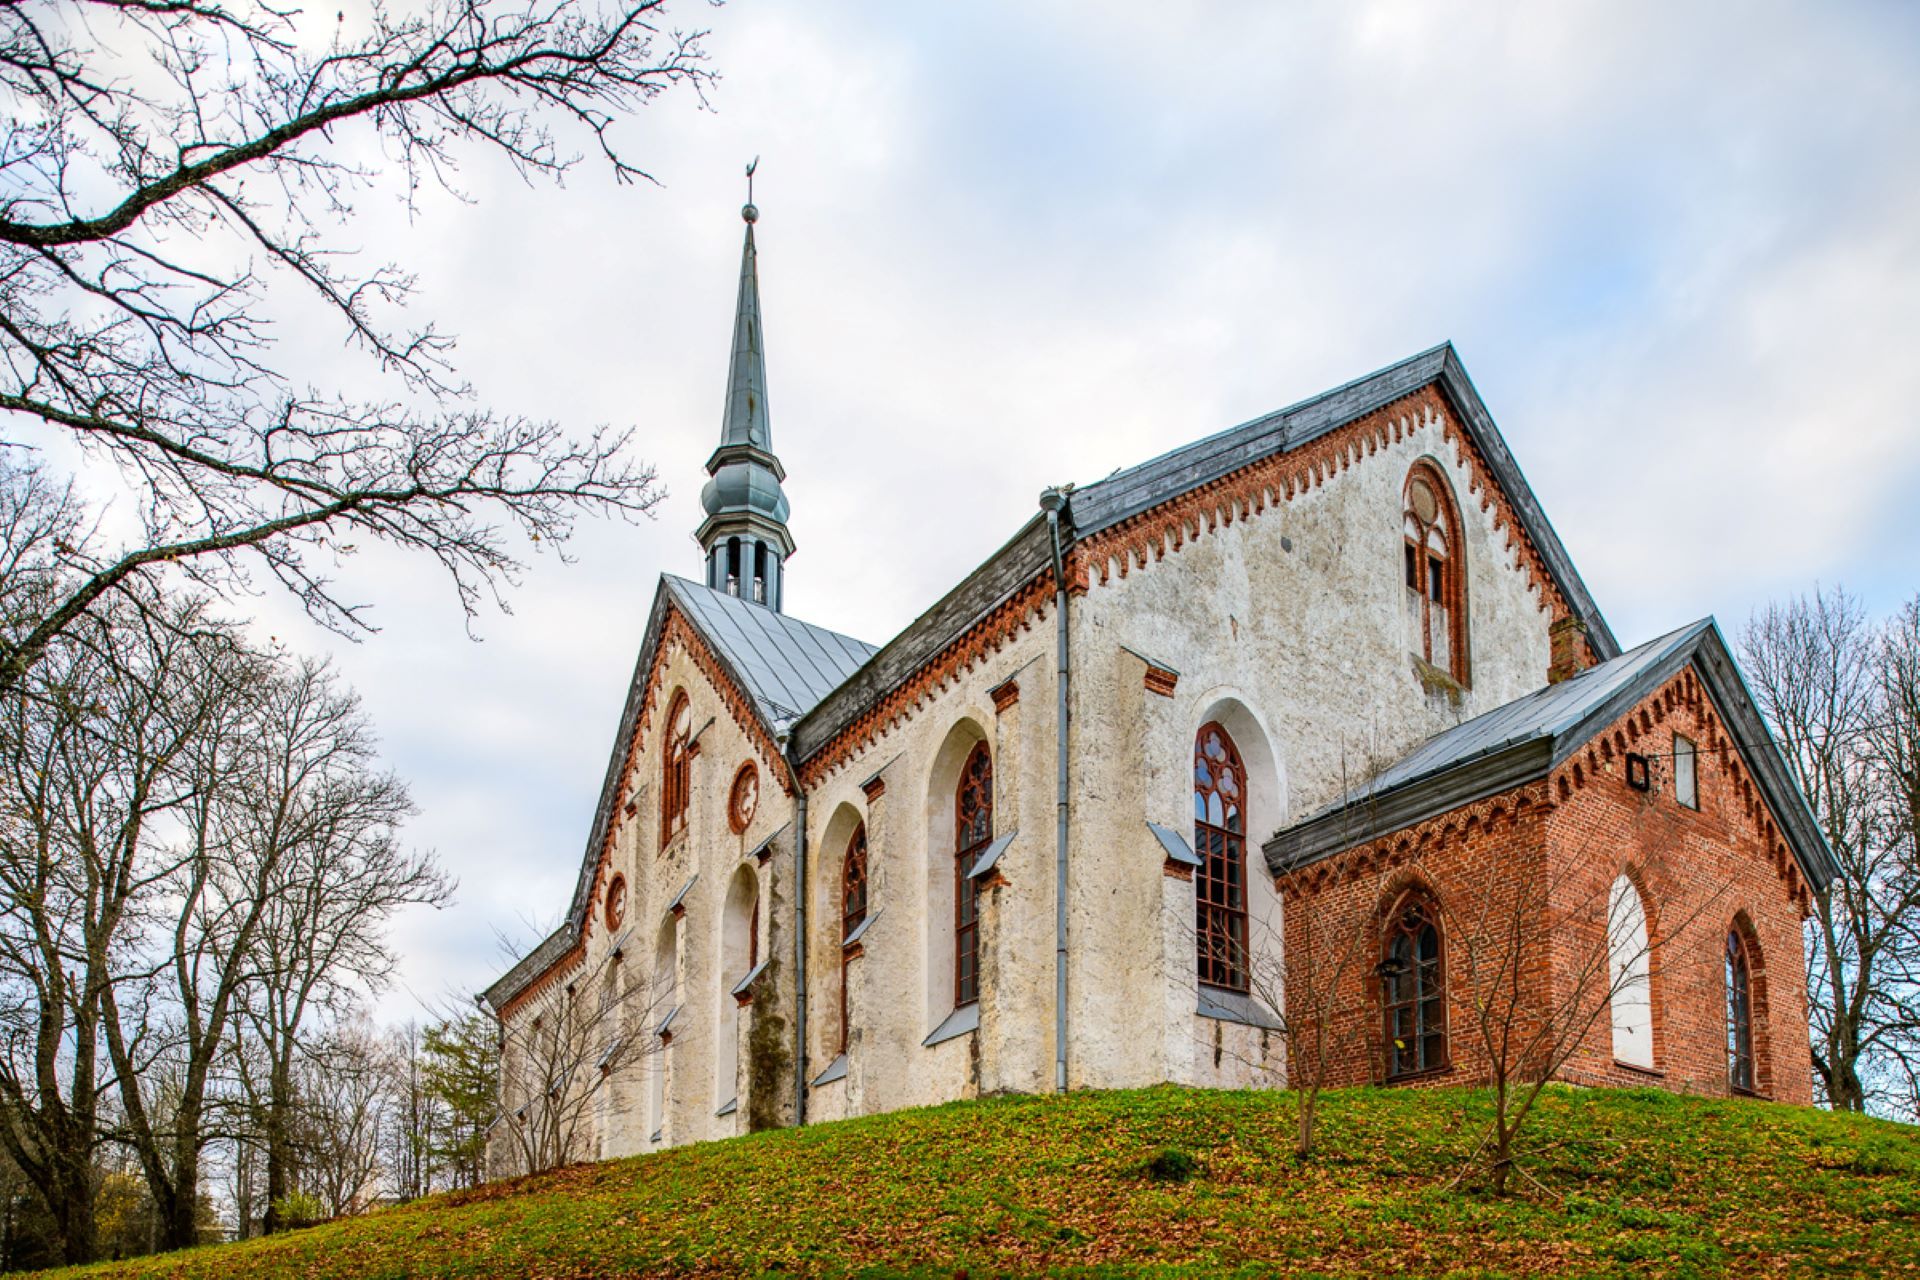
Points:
(973, 832)
(1413, 976)
(1739, 1014)
(1630, 974)
(1430, 557)
(853, 911)
(676, 768)
(1220, 838)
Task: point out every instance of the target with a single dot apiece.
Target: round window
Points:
(616, 902)
(744, 798)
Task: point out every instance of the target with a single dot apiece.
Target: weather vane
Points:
(749, 212)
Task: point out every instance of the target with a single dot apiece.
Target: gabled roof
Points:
(1529, 737)
(783, 666)
(1107, 502)
(815, 682)
(1129, 492)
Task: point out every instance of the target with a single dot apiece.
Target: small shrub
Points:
(1170, 1164)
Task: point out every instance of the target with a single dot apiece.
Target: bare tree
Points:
(90, 770)
(280, 878)
(561, 1057)
(1838, 694)
(171, 172)
(415, 1120)
(1302, 973)
(321, 938)
(343, 1098)
(1894, 747)
(1532, 1002)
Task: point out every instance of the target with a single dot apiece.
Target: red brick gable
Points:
(1700, 872)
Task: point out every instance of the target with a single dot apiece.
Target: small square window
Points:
(1686, 782)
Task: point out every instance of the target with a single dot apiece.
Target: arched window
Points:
(972, 833)
(1413, 977)
(1630, 975)
(1220, 838)
(853, 910)
(1435, 592)
(676, 768)
(1739, 1014)
(666, 1002)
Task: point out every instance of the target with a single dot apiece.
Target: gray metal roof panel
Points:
(1547, 712)
(1529, 736)
(787, 665)
(530, 966)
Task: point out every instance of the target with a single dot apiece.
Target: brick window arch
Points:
(1413, 983)
(676, 768)
(853, 912)
(1433, 573)
(1220, 839)
(972, 833)
(1741, 1076)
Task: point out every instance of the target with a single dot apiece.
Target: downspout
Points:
(799, 930)
(1053, 502)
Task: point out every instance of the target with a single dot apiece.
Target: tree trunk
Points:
(179, 1210)
(279, 1155)
(71, 1200)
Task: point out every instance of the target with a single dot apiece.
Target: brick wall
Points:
(1523, 883)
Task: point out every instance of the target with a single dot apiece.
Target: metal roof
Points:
(1531, 735)
(787, 666)
(1127, 493)
(1546, 713)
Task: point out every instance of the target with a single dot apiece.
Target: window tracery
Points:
(1219, 836)
(1413, 977)
(973, 832)
(1431, 563)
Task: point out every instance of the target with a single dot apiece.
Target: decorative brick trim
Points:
(676, 634)
(1161, 681)
(1655, 715)
(1146, 537)
(1177, 870)
(1013, 616)
(1004, 695)
(1395, 849)
(568, 961)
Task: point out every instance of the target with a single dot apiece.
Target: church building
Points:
(1243, 762)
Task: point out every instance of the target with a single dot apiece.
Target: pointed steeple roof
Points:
(746, 422)
(745, 534)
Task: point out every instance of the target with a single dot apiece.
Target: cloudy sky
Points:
(1005, 245)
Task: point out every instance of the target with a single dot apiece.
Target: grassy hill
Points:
(1632, 1183)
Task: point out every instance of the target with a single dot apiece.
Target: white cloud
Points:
(1008, 245)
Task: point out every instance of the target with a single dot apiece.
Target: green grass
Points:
(1630, 1183)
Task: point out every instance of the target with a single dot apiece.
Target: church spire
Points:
(745, 533)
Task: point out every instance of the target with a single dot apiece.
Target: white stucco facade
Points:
(1281, 617)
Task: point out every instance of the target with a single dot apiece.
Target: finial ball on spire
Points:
(750, 212)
